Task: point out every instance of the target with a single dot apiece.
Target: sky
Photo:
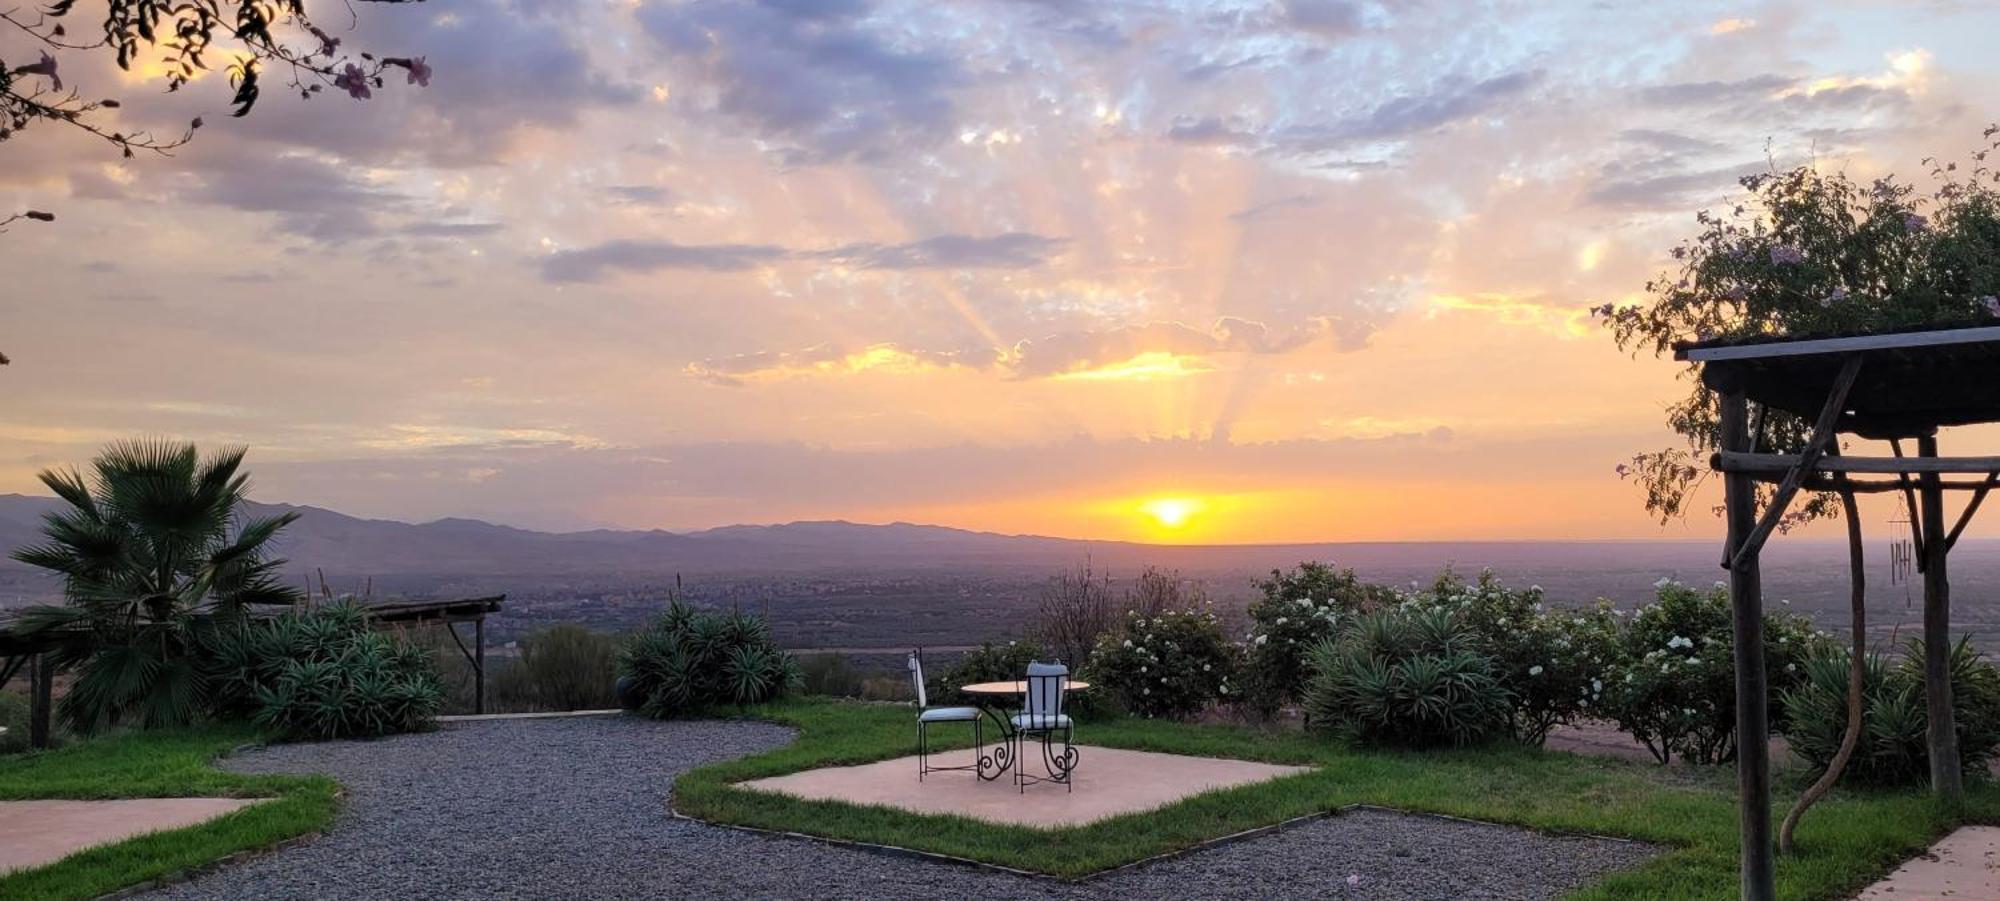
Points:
(1203, 272)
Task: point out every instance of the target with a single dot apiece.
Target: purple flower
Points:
(1838, 295)
(420, 72)
(354, 82)
(1787, 255)
(1991, 303)
(1621, 469)
(1914, 222)
(46, 66)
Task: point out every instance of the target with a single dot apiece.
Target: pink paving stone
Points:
(1109, 782)
(1963, 866)
(34, 833)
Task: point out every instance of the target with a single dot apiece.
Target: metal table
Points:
(991, 699)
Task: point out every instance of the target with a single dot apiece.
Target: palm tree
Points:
(149, 569)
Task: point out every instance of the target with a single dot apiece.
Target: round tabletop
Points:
(1010, 688)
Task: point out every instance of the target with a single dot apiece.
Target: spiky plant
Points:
(1406, 678)
(153, 550)
(694, 659)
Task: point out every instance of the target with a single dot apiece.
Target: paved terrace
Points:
(575, 807)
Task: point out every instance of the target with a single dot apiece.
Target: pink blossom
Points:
(1838, 295)
(420, 72)
(45, 67)
(354, 82)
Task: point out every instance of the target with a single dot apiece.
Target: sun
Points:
(1171, 512)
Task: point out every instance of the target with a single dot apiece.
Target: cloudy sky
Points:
(1314, 270)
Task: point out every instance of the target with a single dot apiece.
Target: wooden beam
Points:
(1733, 461)
(1823, 482)
(1947, 781)
(1753, 742)
(479, 666)
(1971, 507)
(1838, 345)
(41, 700)
(1822, 435)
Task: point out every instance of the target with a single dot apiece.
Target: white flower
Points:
(1596, 685)
(1142, 669)
(1535, 670)
(1263, 639)
(1128, 642)
(1207, 666)
(1791, 667)
(1147, 691)
(1282, 620)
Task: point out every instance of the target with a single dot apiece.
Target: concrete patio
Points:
(34, 833)
(1108, 782)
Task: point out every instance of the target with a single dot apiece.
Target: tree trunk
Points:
(1857, 675)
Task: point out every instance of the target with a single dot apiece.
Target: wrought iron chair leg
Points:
(923, 749)
(1069, 775)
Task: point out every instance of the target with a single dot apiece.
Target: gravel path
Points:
(574, 808)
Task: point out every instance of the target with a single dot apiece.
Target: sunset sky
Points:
(1193, 272)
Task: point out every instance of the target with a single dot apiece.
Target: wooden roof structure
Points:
(1888, 386)
(1912, 382)
(434, 611)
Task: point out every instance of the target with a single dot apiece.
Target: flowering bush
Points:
(1554, 663)
(1675, 688)
(1171, 665)
(1407, 678)
(1894, 749)
(1299, 610)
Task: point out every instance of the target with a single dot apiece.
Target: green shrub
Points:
(1675, 685)
(1299, 610)
(321, 674)
(1174, 664)
(830, 675)
(1894, 749)
(14, 718)
(1554, 663)
(562, 667)
(693, 660)
(987, 663)
(1410, 678)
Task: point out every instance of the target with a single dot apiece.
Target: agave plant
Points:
(693, 659)
(1894, 748)
(153, 552)
(1406, 678)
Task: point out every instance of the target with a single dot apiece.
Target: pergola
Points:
(1885, 386)
(30, 652)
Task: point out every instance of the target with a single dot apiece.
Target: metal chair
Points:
(926, 715)
(1042, 717)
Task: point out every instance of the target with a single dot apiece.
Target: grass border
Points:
(169, 764)
(1689, 814)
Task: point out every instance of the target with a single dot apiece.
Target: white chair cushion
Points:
(948, 714)
(1041, 721)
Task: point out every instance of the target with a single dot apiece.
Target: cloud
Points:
(1149, 351)
(1704, 93)
(1647, 189)
(1212, 131)
(1010, 250)
(594, 263)
(311, 196)
(1273, 208)
(1326, 18)
(822, 77)
(1413, 114)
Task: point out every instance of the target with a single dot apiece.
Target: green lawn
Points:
(1845, 843)
(158, 765)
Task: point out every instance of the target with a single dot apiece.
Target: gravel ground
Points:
(574, 808)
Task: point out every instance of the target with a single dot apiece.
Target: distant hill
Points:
(349, 549)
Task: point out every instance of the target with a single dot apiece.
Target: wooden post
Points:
(41, 699)
(1753, 737)
(479, 665)
(1947, 781)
